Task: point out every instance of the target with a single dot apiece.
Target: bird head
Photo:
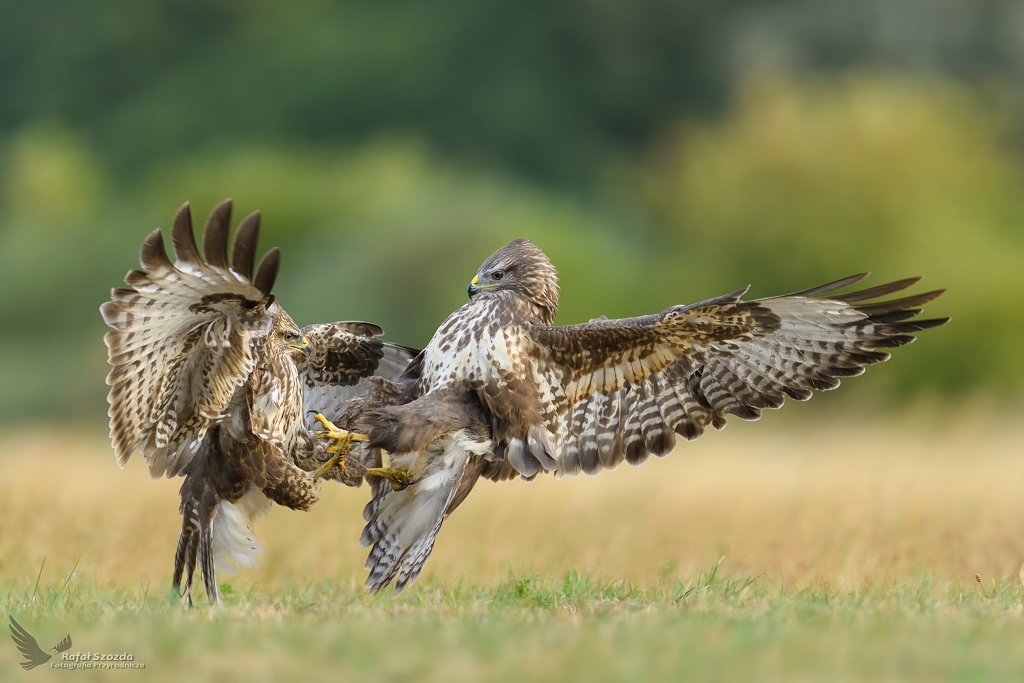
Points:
(522, 268)
(287, 336)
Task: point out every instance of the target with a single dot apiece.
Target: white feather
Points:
(234, 540)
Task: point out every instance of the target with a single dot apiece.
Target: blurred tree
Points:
(393, 146)
(803, 184)
(549, 88)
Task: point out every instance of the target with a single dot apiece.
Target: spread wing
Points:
(28, 646)
(183, 336)
(622, 389)
(344, 355)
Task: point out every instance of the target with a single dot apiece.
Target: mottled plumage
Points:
(500, 391)
(212, 380)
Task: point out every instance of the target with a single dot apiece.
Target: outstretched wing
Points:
(28, 646)
(344, 355)
(622, 389)
(183, 337)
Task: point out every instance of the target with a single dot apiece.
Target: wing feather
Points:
(182, 341)
(215, 236)
(345, 355)
(628, 387)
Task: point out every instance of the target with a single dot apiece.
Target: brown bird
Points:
(212, 380)
(500, 391)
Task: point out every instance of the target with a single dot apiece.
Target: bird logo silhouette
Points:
(34, 655)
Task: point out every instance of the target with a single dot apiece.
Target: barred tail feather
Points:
(193, 544)
(401, 525)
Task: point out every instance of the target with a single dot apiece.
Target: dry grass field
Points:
(843, 550)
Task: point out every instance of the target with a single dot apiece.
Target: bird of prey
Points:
(501, 391)
(29, 648)
(213, 381)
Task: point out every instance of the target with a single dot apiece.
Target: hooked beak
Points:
(474, 286)
(303, 348)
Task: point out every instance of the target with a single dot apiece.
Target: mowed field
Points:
(838, 549)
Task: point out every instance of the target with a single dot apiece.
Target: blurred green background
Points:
(661, 151)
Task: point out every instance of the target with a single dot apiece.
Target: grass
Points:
(713, 627)
(843, 552)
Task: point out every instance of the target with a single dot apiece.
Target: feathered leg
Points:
(267, 467)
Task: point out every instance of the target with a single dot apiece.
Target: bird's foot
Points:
(398, 478)
(342, 438)
(338, 459)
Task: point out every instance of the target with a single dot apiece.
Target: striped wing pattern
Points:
(345, 354)
(619, 390)
(182, 339)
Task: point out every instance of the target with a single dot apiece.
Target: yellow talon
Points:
(339, 449)
(398, 478)
(342, 437)
(328, 425)
(337, 459)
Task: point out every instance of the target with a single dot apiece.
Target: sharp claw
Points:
(327, 424)
(398, 478)
(342, 437)
(338, 460)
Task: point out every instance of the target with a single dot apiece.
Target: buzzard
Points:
(212, 380)
(501, 391)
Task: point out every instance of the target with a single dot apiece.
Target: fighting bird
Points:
(501, 391)
(212, 380)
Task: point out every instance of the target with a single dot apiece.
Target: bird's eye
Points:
(498, 274)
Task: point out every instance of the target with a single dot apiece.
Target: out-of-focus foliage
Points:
(384, 232)
(393, 146)
(550, 88)
(802, 184)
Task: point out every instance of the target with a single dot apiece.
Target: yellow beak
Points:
(304, 348)
(475, 281)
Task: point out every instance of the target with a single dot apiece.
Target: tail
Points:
(216, 534)
(218, 508)
(402, 525)
(195, 544)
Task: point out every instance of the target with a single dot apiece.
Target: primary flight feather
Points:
(500, 391)
(212, 380)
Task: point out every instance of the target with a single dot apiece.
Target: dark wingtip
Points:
(833, 286)
(243, 254)
(183, 237)
(267, 272)
(215, 238)
(904, 304)
(880, 290)
(153, 255)
(934, 322)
